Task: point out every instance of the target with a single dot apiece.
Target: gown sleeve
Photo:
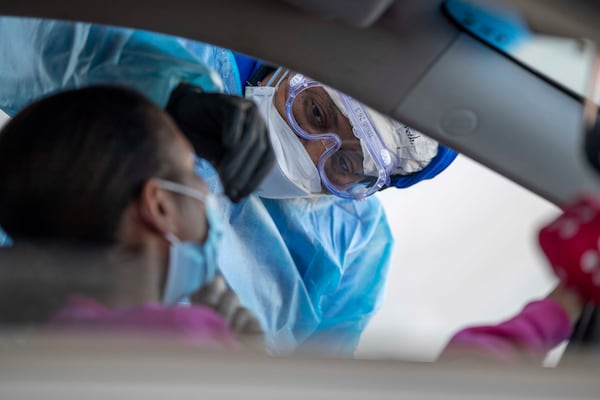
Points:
(40, 57)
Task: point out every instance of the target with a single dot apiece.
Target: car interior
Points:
(472, 75)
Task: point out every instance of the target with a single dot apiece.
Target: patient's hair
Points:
(72, 162)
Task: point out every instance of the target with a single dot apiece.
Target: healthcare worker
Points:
(311, 266)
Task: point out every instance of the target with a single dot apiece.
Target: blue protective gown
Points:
(55, 55)
(312, 270)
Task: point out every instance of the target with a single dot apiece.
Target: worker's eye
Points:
(316, 112)
(345, 167)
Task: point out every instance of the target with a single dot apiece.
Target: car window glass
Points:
(457, 230)
(566, 61)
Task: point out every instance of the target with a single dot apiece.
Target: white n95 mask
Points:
(192, 265)
(293, 174)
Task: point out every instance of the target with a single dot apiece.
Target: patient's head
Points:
(73, 164)
(104, 169)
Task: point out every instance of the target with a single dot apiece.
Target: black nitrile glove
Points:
(229, 132)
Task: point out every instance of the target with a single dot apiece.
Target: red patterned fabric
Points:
(572, 245)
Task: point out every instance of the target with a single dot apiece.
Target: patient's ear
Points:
(158, 209)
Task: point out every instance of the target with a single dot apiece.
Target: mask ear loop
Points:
(283, 76)
(182, 189)
(171, 238)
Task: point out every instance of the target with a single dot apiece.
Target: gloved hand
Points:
(229, 132)
(572, 245)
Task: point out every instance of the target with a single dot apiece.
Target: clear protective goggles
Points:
(355, 162)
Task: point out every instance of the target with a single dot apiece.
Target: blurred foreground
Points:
(59, 367)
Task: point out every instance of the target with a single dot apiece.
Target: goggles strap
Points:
(283, 76)
(276, 74)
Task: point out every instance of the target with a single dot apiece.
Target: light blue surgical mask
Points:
(192, 265)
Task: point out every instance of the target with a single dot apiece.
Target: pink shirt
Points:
(192, 324)
(537, 329)
(529, 336)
